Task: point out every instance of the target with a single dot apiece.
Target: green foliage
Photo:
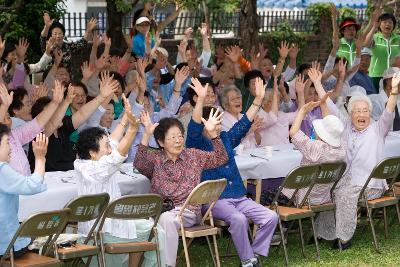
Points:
(29, 22)
(318, 11)
(272, 41)
(347, 12)
(123, 6)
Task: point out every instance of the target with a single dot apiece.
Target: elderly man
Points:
(361, 77)
(379, 100)
(364, 142)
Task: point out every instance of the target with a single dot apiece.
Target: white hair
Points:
(223, 95)
(163, 51)
(359, 98)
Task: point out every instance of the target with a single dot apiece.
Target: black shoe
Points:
(344, 246)
(312, 241)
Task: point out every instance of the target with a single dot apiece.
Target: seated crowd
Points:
(183, 123)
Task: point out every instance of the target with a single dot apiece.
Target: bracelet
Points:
(391, 93)
(177, 91)
(215, 138)
(140, 103)
(257, 105)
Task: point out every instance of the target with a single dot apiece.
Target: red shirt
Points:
(175, 180)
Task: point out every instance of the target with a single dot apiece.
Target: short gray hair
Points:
(223, 99)
(359, 98)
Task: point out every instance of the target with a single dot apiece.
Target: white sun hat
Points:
(141, 20)
(329, 129)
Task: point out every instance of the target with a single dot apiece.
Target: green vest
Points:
(347, 51)
(383, 51)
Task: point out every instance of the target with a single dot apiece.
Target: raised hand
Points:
(50, 44)
(306, 108)
(96, 41)
(40, 91)
(201, 91)
(325, 97)
(203, 29)
(260, 88)
(395, 82)
(188, 32)
(58, 92)
(335, 40)
(141, 65)
(101, 62)
(39, 146)
(147, 124)
(300, 84)
(284, 49)
(316, 65)
(21, 49)
(213, 121)
(2, 46)
(58, 55)
(133, 121)
(5, 97)
(108, 85)
(70, 94)
(182, 49)
(315, 75)
(181, 75)
(87, 71)
(91, 24)
(106, 40)
(294, 51)
(342, 69)
(47, 20)
(233, 53)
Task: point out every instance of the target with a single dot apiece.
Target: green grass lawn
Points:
(361, 253)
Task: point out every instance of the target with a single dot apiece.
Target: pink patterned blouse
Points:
(175, 180)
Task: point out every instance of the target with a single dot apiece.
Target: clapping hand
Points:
(284, 49)
(300, 84)
(213, 121)
(40, 91)
(39, 146)
(146, 121)
(58, 92)
(259, 89)
(306, 108)
(257, 124)
(70, 94)
(181, 75)
(21, 49)
(233, 53)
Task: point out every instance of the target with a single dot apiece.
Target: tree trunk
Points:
(248, 24)
(114, 18)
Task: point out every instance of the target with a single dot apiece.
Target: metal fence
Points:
(220, 22)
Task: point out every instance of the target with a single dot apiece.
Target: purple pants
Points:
(236, 212)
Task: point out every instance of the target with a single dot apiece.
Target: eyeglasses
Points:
(174, 138)
(361, 111)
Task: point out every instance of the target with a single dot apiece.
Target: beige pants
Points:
(170, 223)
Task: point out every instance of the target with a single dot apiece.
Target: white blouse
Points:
(94, 177)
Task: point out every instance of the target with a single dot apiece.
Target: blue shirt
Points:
(139, 44)
(362, 79)
(230, 139)
(14, 184)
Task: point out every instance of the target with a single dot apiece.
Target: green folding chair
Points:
(329, 173)
(389, 170)
(84, 209)
(132, 208)
(49, 224)
(302, 177)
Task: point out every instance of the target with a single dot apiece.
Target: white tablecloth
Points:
(61, 188)
(285, 158)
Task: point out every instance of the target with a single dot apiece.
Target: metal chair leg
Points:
(301, 237)
(385, 223)
(398, 212)
(315, 237)
(211, 250)
(369, 211)
(283, 242)
(216, 251)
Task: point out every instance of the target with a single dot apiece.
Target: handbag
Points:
(168, 205)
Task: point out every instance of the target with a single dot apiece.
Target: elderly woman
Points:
(276, 123)
(174, 171)
(364, 141)
(14, 184)
(231, 101)
(56, 31)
